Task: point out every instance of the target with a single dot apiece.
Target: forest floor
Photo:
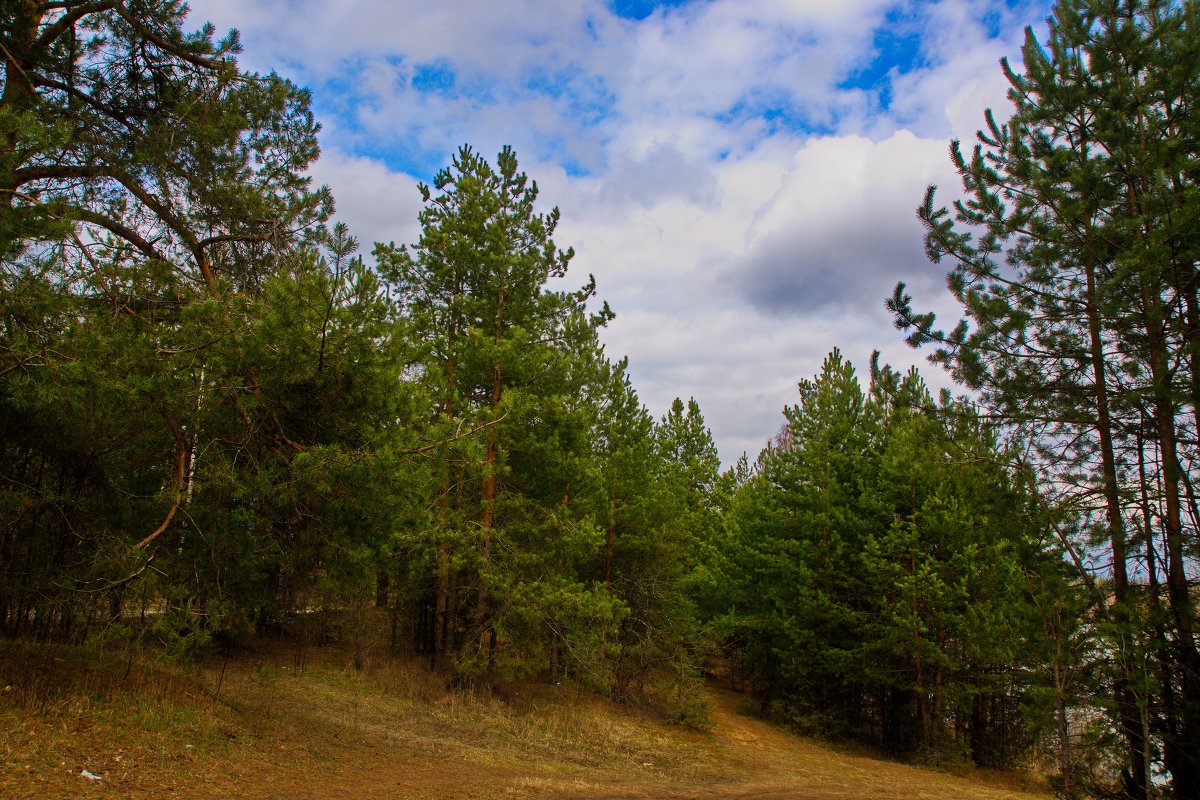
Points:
(290, 724)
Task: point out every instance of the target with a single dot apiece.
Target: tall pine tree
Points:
(1074, 256)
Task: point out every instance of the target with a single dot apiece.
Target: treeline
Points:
(940, 578)
(217, 416)
(887, 574)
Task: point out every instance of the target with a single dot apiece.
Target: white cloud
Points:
(948, 97)
(710, 58)
(737, 248)
(499, 39)
(378, 204)
(835, 232)
(680, 274)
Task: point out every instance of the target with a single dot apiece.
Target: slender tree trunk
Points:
(1062, 648)
(922, 700)
(441, 622)
(1126, 702)
(1065, 767)
(1186, 780)
(612, 524)
(1192, 316)
(440, 606)
(442, 580)
(488, 521)
(1174, 751)
(937, 711)
(1186, 756)
(19, 95)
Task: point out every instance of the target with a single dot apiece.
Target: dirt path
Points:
(743, 758)
(782, 766)
(765, 762)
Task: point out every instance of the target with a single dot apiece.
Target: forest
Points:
(220, 416)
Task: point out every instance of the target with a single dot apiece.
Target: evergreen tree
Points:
(117, 124)
(661, 478)
(800, 541)
(307, 425)
(505, 355)
(879, 553)
(944, 566)
(153, 208)
(1074, 257)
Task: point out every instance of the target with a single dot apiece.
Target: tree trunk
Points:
(483, 620)
(1127, 710)
(441, 622)
(612, 523)
(1186, 781)
(19, 95)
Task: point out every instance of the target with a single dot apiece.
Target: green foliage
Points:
(265, 430)
(523, 483)
(119, 126)
(214, 415)
(148, 193)
(564, 522)
(879, 550)
(1073, 255)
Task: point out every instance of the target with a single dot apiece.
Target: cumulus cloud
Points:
(962, 44)
(663, 172)
(499, 39)
(379, 205)
(835, 233)
(740, 175)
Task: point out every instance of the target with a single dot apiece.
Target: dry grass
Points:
(292, 723)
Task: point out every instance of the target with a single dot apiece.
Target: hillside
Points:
(277, 721)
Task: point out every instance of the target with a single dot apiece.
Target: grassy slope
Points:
(391, 731)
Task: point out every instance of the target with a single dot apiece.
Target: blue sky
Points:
(640, 9)
(740, 175)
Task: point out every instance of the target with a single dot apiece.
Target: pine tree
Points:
(153, 217)
(1074, 259)
(801, 542)
(504, 357)
(661, 478)
(877, 556)
(120, 125)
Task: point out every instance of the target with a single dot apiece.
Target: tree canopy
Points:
(1074, 255)
(218, 417)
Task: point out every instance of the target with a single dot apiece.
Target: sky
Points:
(741, 176)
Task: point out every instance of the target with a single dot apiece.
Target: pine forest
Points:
(223, 416)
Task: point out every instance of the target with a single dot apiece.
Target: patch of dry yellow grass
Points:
(392, 730)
